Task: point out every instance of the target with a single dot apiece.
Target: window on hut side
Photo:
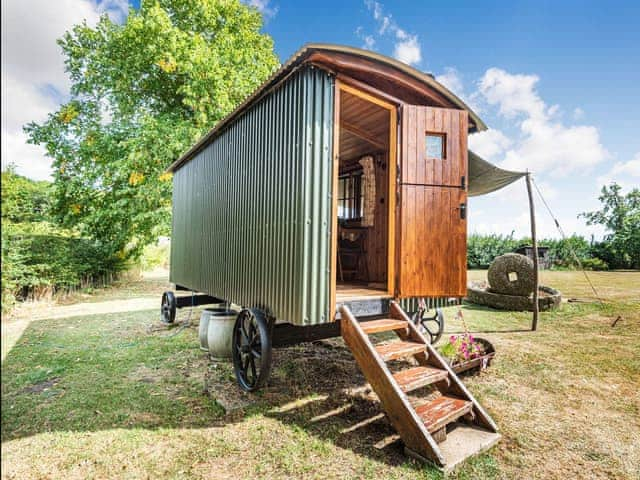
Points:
(350, 196)
(435, 146)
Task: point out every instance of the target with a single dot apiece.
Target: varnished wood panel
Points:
(432, 238)
(417, 122)
(432, 251)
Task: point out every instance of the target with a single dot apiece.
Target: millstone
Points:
(511, 274)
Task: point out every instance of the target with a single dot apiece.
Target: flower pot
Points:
(220, 334)
(203, 328)
(480, 362)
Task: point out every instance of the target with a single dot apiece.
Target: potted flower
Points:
(464, 352)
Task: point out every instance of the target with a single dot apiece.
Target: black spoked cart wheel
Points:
(432, 326)
(168, 307)
(251, 349)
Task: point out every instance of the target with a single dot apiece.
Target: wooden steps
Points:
(441, 411)
(383, 325)
(400, 349)
(424, 426)
(418, 377)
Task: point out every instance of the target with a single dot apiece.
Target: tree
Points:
(23, 199)
(141, 94)
(620, 215)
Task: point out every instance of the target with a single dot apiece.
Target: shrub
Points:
(560, 251)
(155, 255)
(482, 249)
(594, 264)
(35, 265)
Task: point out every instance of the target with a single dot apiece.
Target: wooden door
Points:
(432, 233)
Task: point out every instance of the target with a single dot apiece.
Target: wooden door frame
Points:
(342, 84)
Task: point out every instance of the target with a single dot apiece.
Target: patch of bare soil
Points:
(40, 387)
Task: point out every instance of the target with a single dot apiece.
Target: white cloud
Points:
(451, 79)
(368, 41)
(489, 144)
(625, 174)
(33, 78)
(264, 7)
(406, 46)
(545, 144)
(408, 50)
(30, 160)
(578, 113)
(512, 94)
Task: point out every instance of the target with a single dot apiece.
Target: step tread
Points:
(400, 349)
(417, 377)
(442, 411)
(383, 325)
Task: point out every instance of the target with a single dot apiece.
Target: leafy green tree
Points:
(620, 215)
(141, 94)
(24, 200)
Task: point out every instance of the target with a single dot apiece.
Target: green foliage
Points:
(38, 257)
(482, 249)
(594, 264)
(35, 264)
(24, 200)
(154, 255)
(620, 215)
(141, 94)
(563, 252)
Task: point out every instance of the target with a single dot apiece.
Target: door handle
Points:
(463, 211)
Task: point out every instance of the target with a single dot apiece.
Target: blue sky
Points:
(558, 83)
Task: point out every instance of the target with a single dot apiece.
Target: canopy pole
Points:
(534, 244)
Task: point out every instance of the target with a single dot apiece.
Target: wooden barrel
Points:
(220, 334)
(203, 328)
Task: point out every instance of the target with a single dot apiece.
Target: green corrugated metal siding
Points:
(251, 210)
(411, 304)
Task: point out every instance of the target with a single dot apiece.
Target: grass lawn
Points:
(102, 395)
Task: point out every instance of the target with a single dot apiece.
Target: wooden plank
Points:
(368, 137)
(370, 98)
(432, 245)
(434, 359)
(365, 87)
(333, 273)
(399, 349)
(394, 402)
(437, 413)
(418, 377)
(391, 201)
(383, 325)
(381, 77)
(286, 334)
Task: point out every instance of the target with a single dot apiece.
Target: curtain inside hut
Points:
(485, 177)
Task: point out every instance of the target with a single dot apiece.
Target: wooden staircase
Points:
(445, 429)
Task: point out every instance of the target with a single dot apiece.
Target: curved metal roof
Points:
(298, 59)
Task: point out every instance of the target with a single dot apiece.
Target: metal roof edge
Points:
(296, 60)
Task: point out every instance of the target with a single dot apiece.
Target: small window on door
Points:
(350, 196)
(435, 146)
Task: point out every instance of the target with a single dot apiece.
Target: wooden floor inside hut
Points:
(359, 291)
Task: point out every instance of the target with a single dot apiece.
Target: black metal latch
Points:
(463, 211)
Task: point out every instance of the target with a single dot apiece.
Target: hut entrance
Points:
(365, 126)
